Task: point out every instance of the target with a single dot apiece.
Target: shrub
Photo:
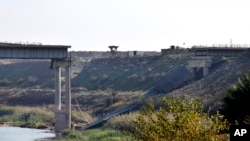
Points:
(180, 119)
(72, 135)
(6, 111)
(122, 122)
(95, 135)
(236, 101)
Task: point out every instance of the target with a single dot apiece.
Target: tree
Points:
(180, 119)
(237, 102)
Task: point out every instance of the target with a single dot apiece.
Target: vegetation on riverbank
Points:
(32, 117)
(96, 135)
(87, 106)
(177, 119)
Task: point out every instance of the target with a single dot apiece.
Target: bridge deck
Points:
(32, 51)
(218, 51)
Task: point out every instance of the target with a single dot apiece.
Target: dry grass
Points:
(122, 122)
(31, 116)
(82, 116)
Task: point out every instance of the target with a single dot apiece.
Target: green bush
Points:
(72, 135)
(236, 102)
(6, 111)
(95, 135)
(180, 119)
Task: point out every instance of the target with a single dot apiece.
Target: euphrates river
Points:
(23, 134)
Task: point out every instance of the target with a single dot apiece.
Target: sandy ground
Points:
(7, 124)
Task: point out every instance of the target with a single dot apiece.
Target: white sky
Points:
(131, 24)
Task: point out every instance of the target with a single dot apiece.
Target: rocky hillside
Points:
(96, 70)
(161, 73)
(211, 88)
(127, 74)
(26, 74)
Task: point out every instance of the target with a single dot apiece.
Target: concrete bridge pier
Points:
(68, 95)
(195, 73)
(62, 115)
(58, 94)
(205, 71)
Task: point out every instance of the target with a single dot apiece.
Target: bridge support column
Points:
(68, 96)
(194, 73)
(62, 115)
(205, 71)
(58, 88)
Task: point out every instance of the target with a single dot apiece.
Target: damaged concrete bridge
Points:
(59, 58)
(203, 55)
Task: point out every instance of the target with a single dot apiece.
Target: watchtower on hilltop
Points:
(113, 50)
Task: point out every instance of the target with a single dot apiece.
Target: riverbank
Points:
(99, 134)
(25, 125)
(9, 124)
(26, 117)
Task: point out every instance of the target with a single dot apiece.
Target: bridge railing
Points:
(223, 46)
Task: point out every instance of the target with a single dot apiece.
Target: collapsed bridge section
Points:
(203, 56)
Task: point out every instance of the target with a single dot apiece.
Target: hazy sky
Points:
(130, 24)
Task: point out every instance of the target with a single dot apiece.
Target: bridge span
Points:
(59, 58)
(219, 50)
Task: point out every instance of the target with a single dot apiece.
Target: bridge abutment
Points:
(203, 62)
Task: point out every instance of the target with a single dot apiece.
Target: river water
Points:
(23, 134)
